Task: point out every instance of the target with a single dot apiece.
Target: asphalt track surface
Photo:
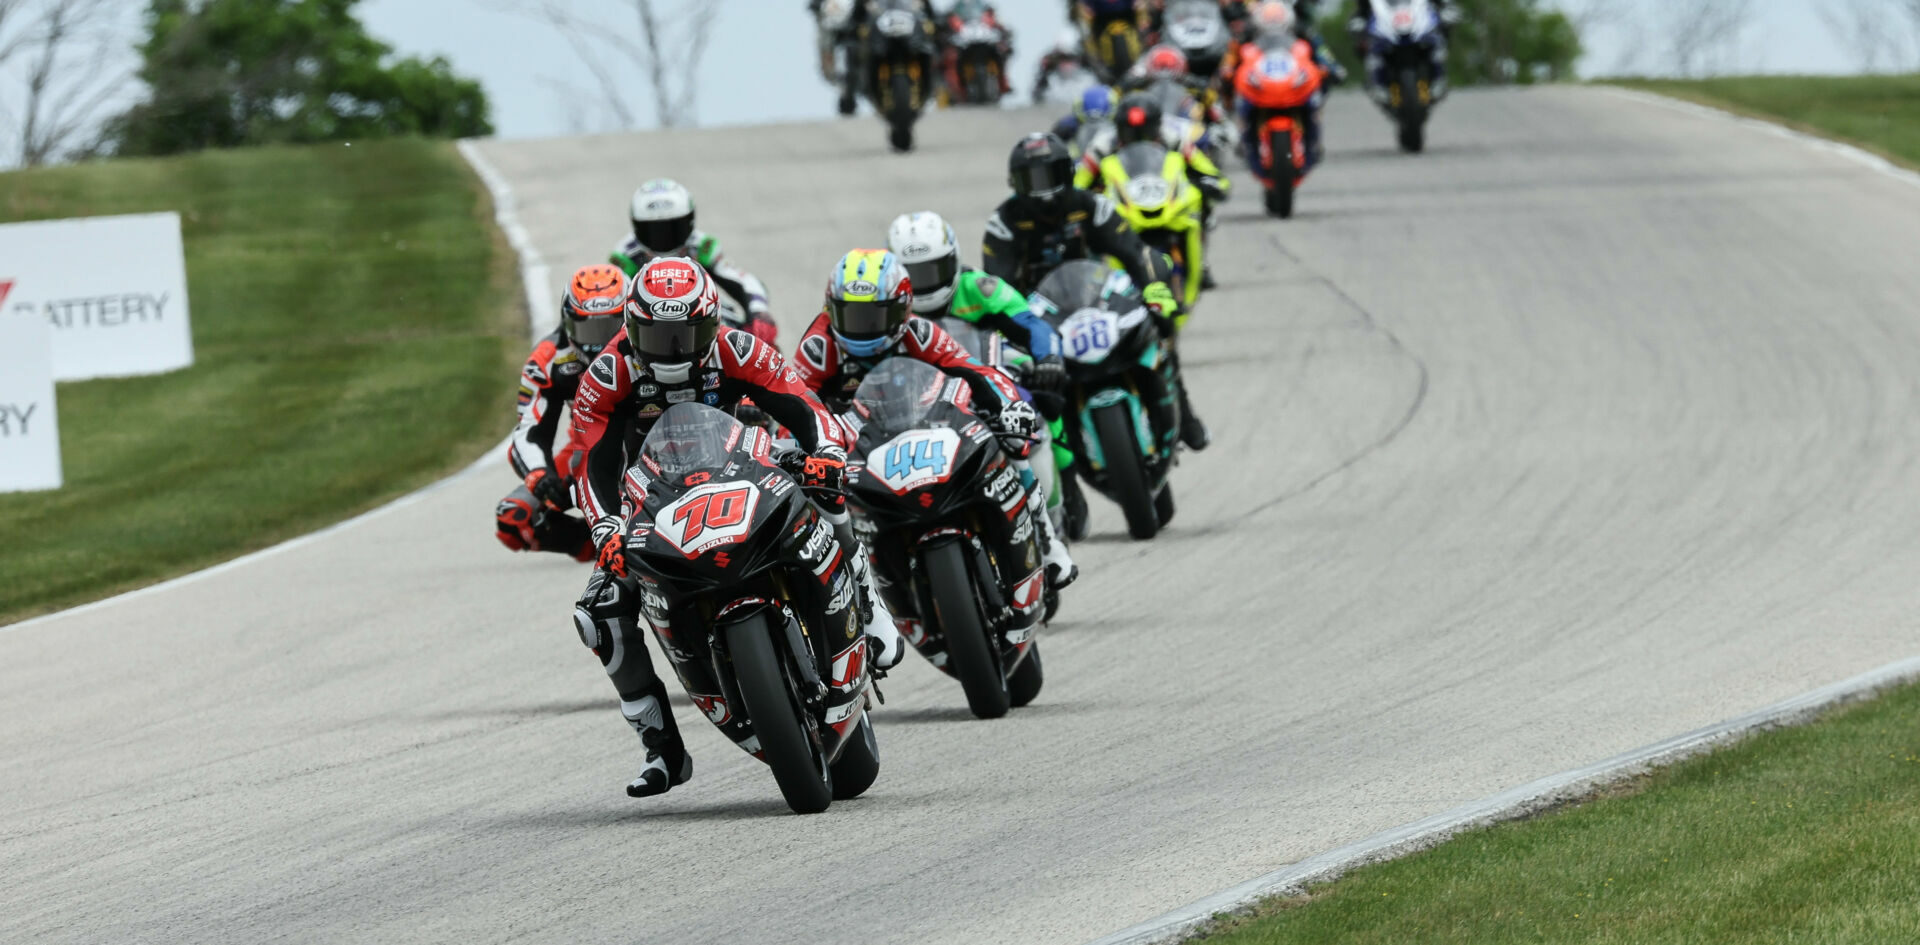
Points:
(1591, 426)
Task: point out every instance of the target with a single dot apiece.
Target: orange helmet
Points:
(1163, 61)
(590, 311)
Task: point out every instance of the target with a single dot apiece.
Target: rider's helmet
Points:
(662, 216)
(926, 245)
(1162, 62)
(1040, 167)
(672, 317)
(1137, 119)
(590, 311)
(867, 300)
(1272, 18)
(1095, 105)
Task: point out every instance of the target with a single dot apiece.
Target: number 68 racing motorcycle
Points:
(736, 575)
(953, 548)
(1123, 412)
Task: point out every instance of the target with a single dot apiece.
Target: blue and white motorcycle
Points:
(1406, 65)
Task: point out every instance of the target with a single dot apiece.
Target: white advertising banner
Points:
(113, 289)
(29, 437)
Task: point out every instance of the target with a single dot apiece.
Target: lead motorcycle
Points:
(1123, 418)
(944, 512)
(1406, 66)
(899, 53)
(728, 556)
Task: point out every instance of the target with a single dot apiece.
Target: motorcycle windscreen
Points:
(687, 441)
(1175, 100)
(1147, 185)
(982, 343)
(1196, 26)
(1075, 285)
(898, 395)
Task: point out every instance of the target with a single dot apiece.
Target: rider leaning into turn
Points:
(534, 516)
(943, 288)
(1048, 221)
(662, 215)
(673, 349)
(867, 320)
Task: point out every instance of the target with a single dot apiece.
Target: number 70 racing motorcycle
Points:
(737, 577)
(953, 548)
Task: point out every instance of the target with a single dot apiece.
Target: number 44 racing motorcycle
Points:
(736, 575)
(1123, 416)
(953, 548)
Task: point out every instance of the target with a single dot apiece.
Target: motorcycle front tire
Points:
(799, 767)
(1126, 473)
(970, 648)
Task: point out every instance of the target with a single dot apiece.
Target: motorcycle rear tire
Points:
(1163, 504)
(859, 763)
(1413, 114)
(1024, 685)
(970, 650)
(798, 765)
(1126, 473)
(901, 116)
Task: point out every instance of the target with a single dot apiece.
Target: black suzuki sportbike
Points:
(1123, 418)
(898, 46)
(953, 550)
(741, 581)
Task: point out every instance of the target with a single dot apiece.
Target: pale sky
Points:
(761, 64)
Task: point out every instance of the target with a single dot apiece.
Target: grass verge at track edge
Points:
(1567, 787)
(533, 275)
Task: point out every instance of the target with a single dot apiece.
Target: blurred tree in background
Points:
(230, 73)
(1496, 42)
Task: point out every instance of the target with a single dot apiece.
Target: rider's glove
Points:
(824, 475)
(1015, 425)
(1159, 297)
(1213, 190)
(605, 529)
(548, 489)
(1047, 375)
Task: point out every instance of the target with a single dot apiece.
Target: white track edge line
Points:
(1511, 804)
(533, 277)
(1568, 785)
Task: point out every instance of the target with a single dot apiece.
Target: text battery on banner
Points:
(113, 289)
(29, 436)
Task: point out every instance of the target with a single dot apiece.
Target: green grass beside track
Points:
(1808, 834)
(355, 330)
(1878, 112)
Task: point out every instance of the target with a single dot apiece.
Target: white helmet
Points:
(926, 244)
(662, 214)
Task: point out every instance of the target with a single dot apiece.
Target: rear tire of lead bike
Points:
(970, 651)
(901, 117)
(859, 763)
(1126, 473)
(1413, 115)
(1280, 193)
(798, 766)
(1024, 686)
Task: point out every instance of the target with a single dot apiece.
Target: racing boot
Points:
(1061, 571)
(884, 645)
(1193, 431)
(668, 763)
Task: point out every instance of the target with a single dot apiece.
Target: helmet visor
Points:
(865, 321)
(592, 332)
(1043, 178)
(932, 275)
(672, 340)
(664, 236)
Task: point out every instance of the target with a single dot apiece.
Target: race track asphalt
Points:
(1593, 425)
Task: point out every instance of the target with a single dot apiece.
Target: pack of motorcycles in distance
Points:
(901, 55)
(727, 553)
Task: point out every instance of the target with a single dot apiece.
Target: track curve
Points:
(1590, 426)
